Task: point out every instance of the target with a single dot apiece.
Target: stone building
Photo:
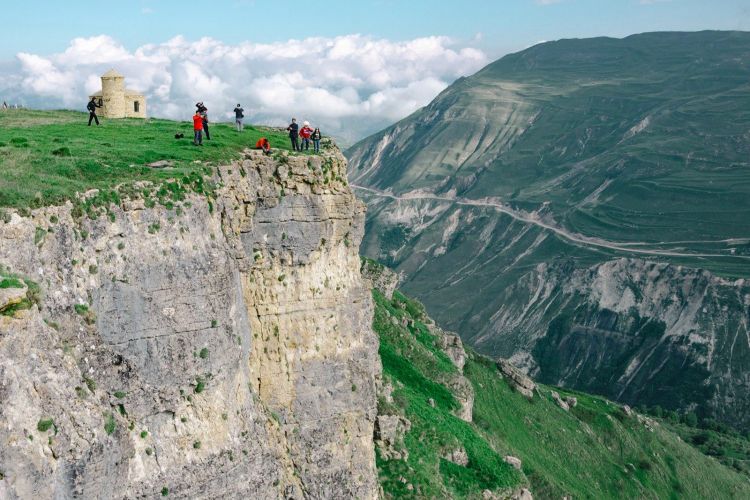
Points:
(116, 101)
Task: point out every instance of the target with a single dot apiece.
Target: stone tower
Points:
(118, 101)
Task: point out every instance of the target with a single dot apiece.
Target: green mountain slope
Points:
(596, 449)
(583, 207)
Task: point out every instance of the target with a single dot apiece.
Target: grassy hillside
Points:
(593, 451)
(48, 156)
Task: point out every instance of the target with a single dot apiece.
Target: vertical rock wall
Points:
(213, 349)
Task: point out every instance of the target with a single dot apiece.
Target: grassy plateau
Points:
(47, 157)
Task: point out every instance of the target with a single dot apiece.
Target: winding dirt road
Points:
(534, 219)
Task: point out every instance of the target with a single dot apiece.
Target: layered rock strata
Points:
(214, 347)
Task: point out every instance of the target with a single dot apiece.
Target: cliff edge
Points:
(207, 337)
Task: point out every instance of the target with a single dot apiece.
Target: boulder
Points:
(516, 378)
(572, 402)
(451, 345)
(515, 462)
(562, 404)
(457, 456)
(389, 435)
(464, 394)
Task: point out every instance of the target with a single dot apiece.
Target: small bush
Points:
(164, 491)
(144, 434)
(45, 424)
(109, 424)
(119, 394)
(197, 445)
(200, 385)
(63, 151)
(203, 354)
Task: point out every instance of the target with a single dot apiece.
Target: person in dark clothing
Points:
(91, 106)
(316, 136)
(293, 129)
(238, 116)
(204, 115)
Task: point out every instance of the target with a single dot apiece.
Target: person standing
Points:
(293, 129)
(91, 106)
(238, 116)
(204, 116)
(316, 136)
(305, 133)
(198, 128)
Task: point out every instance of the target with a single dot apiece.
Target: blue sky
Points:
(505, 25)
(353, 67)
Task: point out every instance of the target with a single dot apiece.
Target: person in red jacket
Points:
(198, 129)
(305, 132)
(264, 145)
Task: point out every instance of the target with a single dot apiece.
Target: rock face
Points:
(559, 401)
(517, 379)
(389, 436)
(218, 348)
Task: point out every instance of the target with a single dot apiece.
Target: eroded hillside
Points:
(581, 207)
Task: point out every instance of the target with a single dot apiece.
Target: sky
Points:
(351, 67)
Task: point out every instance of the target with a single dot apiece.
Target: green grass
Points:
(593, 451)
(48, 156)
(33, 292)
(110, 424)
(11, 283)
(414, 366)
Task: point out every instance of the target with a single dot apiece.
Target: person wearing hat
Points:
(293, 129)
(305, 133)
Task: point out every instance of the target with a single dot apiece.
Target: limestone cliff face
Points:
(217, 348)
(636, 331)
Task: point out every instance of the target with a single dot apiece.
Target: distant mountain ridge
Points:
(583, 207)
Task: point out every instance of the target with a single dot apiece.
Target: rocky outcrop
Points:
(213, 346)
(515, 462)
(451, 344)
(517, 379)
(559, 401)
(458, 456)
(380, 277)
(389, 436)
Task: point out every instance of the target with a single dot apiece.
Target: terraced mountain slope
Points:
(583, 207)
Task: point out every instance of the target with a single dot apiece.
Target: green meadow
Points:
(46, 157)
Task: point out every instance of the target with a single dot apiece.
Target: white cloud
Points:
(349, 85)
